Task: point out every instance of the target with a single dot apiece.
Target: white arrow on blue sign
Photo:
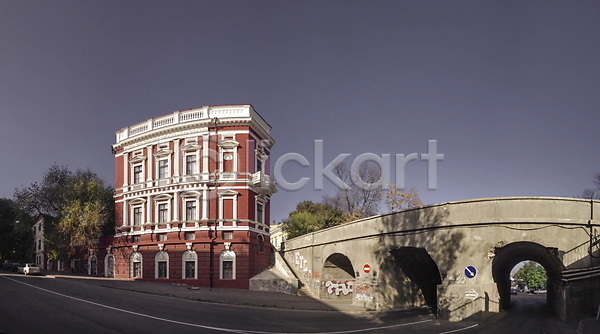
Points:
(470, 271)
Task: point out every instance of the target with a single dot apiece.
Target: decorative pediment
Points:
(137, 159)
(162, 197)
(228, 192)
(191, 193)
(137, 201)
(163, 152)
(228, 143)
(191, 147)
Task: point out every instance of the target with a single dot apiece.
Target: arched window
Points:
(189, 262)
(227, 265)
(261, 241)
(109, 266)
(135, 269)
(92, 265)
(161, 265)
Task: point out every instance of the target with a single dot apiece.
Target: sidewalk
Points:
(589, 326)
(215, 295)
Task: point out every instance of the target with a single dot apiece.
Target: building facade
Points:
(193, 197)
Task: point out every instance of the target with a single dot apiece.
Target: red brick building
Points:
(192, 198)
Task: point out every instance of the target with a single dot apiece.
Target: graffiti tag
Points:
(337, 287)
(363, 297)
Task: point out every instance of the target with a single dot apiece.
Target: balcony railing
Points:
(201, 114)
(263, 183)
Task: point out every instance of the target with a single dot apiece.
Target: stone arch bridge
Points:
(456, 257)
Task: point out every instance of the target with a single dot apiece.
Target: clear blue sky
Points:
(509, 89)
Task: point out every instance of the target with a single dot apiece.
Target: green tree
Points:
(83, 215)
(13, 234)
(532, 274)
(82, 203)
(309, 217)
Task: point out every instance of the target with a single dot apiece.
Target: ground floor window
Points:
(227, 268)
(190, 269)
(162, 269)
(93, 266)
(109, 269)
(190, 263)
(137, 269)
(136, 265)
(161, 265)
(75, 264)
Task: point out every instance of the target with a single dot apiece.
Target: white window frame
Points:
(107, 269)
(260, 219)
(133, 214)
(136, 257)
(161, 256)
(134, 173)
(90, 265)
(189, 255)
(163, 216)
(194, 169)
(162, 172)
(227, 255)
(195, 209)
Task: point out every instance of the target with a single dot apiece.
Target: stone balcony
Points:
(263, 183)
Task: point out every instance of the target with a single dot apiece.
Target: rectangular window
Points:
(137, 174)
(190, 269)
(190, 164)
(190, 210)
(137, 215)
(161, 237)
(163, 166)
(136, 238)
(163, 212)
(259, 165)
(137, 269)
(259, 212)
(162, 269)
(227, 269)
(190, 235)
(227, 235)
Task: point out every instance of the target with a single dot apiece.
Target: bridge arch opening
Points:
(338, 275)
(421, 269)
(509, 256)
(337, 266)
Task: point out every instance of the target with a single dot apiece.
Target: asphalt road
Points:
(38, 304)
(528, 315)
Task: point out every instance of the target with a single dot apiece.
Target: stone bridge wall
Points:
(452, 236)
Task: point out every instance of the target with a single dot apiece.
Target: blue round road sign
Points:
(470, 271)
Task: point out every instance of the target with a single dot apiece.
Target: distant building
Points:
(278, 236)
(43, 224)
(193, 198)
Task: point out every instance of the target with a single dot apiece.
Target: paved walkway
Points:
(216, 295)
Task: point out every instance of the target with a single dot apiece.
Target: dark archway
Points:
(422, 270)
(338, 277)
(338, 266)
(510, 255)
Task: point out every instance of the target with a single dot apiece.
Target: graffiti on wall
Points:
(362, 292)
(339, 287)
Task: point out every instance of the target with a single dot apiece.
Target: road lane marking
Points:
(229, 330)
(460, 329)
